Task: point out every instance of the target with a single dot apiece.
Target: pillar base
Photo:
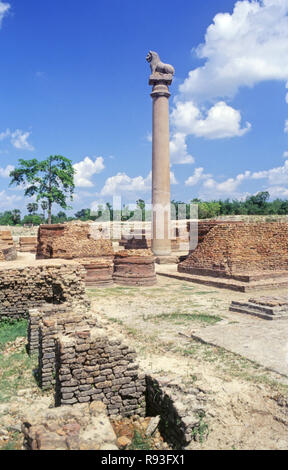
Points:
(170, 259)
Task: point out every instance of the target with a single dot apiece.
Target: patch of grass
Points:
(179, 318)
(140, 442)
(201, 431)
(10, 330)
(115, 320)
(112, 291)
(16, 372)
(206, 292)
(14, 442)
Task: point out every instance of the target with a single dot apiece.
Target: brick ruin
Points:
(7, 248)
(80, 427)
(85, 361)
(134, 268)
(50, 281)
(72, 241)
(81, 241)
(28, 244)
(266, 307)
(84, 242)
(251, 253)
(87, 364)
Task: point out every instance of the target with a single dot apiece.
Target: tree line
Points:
(51, 181)
(258, 204)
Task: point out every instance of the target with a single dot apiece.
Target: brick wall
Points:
(26, 287)
(74, 240)
(225, 249)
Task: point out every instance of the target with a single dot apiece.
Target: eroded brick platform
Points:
(242, 283)
(268, 308)
(242, 256)
(81, 427)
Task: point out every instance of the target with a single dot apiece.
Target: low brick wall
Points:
(27, 287)
(92, 366)
(182, 411)
(51, 325)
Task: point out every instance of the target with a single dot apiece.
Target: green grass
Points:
(16, 372)
(112, 291)
(14, 442)
(140, 442)
(179, 318)
(16, 368)
(9, 331)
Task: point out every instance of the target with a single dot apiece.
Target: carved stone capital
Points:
(160, 78)
(160, 89)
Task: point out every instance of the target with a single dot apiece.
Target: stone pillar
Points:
(160, 79)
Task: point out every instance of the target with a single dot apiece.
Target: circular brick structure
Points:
(98, 272)
(134, 268)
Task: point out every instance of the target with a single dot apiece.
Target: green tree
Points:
(51, 180)
(44, 207)
(32, 208)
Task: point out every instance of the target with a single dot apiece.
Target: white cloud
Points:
(241, 49)
(228, 186)
(7, 201)
(149, 137)
(197, 176)
(18, 138)
(5, 172)
(4, 8)
(86, 169)
(286, 126)
(278, 191)
(275, 176)
(122, 183)
(178, 149)
(221, 121)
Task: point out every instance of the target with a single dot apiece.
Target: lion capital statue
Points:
(157, 66)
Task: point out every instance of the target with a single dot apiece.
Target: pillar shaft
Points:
(161, 242)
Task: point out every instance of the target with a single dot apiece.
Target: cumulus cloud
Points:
(85, 169)
(228, 186)
(221, 121)
(286, 126)
(18, 138)
(275, 176)
(275, 181)
(5, 172)
(197, 176)
(278, 191)
(241, 49)
(178, 149)
(4, 8)
(122, 183)
(8, 201)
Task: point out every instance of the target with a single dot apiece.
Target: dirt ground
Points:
(247, 404)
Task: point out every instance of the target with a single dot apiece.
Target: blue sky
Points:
(74, 81)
